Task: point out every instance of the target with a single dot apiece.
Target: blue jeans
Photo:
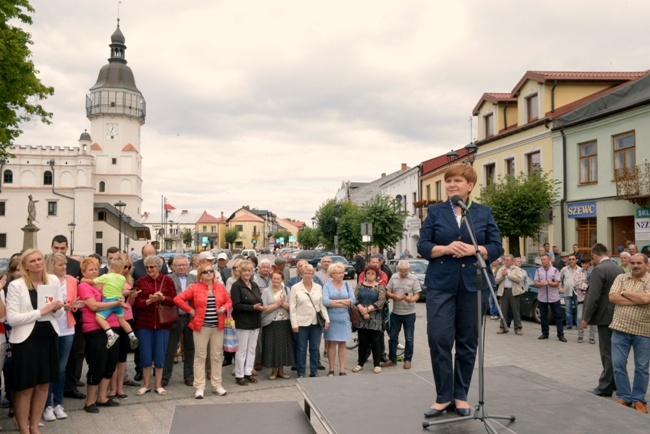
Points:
(493, 306)
(571, 309)
(621, 343)
(308, 335)
(396, 322)
(56, 387)
(557, 316)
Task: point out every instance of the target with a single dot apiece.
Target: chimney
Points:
(403, 167)
(221, 214)
(383, 175)
(184, 211)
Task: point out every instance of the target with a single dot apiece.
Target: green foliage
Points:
(387, 217)
(309, 238)
(188, 237)
(231, 236)
(19, 85)
(521, 205)
(385, 214)
(282, 234)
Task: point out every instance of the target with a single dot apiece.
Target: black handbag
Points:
(320, 319)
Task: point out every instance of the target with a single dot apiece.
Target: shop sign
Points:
(581, 210)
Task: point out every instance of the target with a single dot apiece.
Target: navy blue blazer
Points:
(440, 228)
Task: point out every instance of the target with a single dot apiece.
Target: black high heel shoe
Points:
(433, 412)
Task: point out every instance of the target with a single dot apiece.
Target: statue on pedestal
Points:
(31, 211)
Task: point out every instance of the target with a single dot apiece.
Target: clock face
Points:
(111, 129)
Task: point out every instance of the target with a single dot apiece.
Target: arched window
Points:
(47, 178)
(102, 186)
(8, 177)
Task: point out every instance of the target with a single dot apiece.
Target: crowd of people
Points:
(60, 312)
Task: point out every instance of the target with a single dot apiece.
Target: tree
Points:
(326, 222)
(282, 234)
(521, 205)
(387, 217)
(19, 85)
(231, 236)
(309, 238)
(349, 230)
(188, 238)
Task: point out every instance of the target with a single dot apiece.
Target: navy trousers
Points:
(452, 318)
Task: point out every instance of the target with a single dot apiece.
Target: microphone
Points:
(458, 201)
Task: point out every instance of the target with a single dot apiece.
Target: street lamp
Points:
(470, 153)
(120, 209)
(71, 227)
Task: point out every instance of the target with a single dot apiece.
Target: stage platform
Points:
(254, 417)
(395, 403)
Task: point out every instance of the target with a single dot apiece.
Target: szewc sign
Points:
(581, 210)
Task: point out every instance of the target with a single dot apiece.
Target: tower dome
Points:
(115, 91)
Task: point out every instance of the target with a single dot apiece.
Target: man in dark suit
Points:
(138, 266)
(111, 253)
(182, 279)
(76, 359)
(599, 311)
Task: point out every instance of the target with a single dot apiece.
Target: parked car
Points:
(265, 251)
(529, 305)
(292, 258)
(315, 261)
(349, 269)
(248, 252)
(4, 266)
(417, 267)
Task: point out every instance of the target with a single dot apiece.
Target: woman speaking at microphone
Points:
(452, 311)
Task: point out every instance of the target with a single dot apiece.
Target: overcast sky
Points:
(273, 104)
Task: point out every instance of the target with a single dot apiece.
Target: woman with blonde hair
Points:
(210, 302)
(34, 343)
(247, 311)
(337, 297)
(55, 263)
(305, 304)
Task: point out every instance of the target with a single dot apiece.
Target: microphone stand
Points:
(479, 410)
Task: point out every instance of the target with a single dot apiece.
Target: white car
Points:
(248, 252)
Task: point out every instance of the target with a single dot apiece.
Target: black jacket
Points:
(243, 299)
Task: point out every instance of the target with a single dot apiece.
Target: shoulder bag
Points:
(355, 315)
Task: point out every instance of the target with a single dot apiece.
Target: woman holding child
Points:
(101, 359)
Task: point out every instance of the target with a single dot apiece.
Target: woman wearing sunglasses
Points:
(156, 289)
(210, 302)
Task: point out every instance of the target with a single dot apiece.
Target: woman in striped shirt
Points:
(210, 302)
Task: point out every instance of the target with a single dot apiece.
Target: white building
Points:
(80, 184)
(405, 188)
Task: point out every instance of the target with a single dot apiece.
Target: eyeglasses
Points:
(207, 271)
(127, 267)
(234, 268)
(150, 267)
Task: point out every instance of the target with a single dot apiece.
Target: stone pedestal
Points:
(29, 237)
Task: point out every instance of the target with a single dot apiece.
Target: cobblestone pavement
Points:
(574, 364)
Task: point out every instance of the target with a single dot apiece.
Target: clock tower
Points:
(117, 110)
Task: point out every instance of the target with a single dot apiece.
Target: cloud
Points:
(274, 104)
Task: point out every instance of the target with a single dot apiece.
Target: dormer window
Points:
(488, 122)
(532, 107)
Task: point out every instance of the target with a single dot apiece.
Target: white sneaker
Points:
(48, 414)
(400, 347)
(111, 340)
(198, 394)
(59, 412)
(134, 342)
(219, 391)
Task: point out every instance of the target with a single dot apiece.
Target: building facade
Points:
(77, 187)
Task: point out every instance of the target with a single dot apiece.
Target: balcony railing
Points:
(633, 184)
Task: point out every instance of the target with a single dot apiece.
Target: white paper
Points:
(46, 294)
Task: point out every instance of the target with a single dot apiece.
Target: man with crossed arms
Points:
(630, 326)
